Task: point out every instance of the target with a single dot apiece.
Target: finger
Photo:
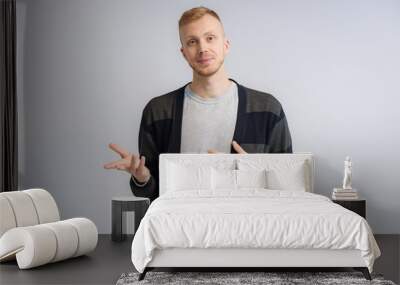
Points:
(142, 162)
(134, 162)
(212, 151)
(120, 167)
(116, 166)
(112, 164)
(121, 151)
(237, 147)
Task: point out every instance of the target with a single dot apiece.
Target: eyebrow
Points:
(206, 33)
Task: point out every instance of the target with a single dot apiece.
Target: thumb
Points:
(142, 162)
(237, 147)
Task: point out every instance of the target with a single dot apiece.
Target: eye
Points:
(191, 42)
(210, 38)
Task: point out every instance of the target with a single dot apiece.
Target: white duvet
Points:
(251, 218)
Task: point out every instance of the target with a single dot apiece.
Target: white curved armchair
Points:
(31, 230)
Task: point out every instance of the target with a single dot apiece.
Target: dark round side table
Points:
(121, 204)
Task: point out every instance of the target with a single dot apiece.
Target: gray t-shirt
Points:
(209, 123)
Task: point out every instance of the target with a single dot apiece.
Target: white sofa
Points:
(31, 231)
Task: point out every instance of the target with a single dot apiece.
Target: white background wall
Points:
(86, 68)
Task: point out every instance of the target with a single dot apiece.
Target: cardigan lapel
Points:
(174, 145)
(239, 133)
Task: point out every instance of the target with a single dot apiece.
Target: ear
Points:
(227, 45)
(183, 53)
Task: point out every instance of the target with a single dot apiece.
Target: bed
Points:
(245, 211)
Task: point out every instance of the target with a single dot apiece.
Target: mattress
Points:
(253, 219)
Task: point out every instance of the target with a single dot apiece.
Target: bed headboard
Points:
(231, 159)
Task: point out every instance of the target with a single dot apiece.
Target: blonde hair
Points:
(195, 14)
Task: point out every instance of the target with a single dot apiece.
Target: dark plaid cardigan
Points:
(261, 127)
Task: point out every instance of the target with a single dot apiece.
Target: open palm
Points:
(130, 163)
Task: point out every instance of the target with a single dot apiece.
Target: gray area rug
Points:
(228, 278)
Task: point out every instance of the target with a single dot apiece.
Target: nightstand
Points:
(358, 206)
(122, 204)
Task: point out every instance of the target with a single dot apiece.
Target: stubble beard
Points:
(207, 73)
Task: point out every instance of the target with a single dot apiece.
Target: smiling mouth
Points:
(205, 61)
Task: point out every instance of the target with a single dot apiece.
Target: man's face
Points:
(204, 45)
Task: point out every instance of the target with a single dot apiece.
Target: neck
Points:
(210, 86)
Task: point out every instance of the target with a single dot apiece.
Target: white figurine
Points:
(347, 174)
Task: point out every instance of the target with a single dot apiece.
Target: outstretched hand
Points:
(235, 145)
(130, 163)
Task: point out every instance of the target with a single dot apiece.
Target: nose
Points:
(202, 47)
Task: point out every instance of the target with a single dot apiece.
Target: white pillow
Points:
(288, 178)
(181, 177)
(281, 174)
(224, 179)
(251, 178)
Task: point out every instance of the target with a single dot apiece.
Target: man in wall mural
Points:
(213, 113)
